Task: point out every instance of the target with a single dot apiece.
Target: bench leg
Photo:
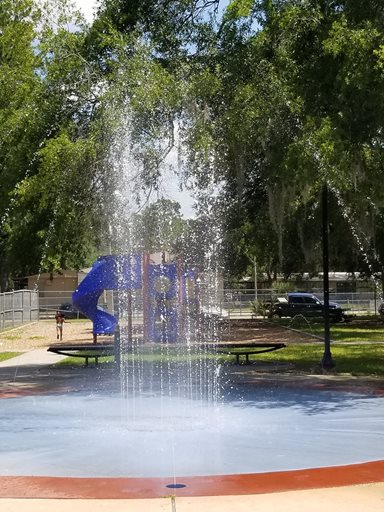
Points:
(86, 361)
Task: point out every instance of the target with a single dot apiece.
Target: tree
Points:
(339, 78)
(19, 119)
(158, 227)
(49, 150)
(173, 27)
(270, 100)
(301, 113)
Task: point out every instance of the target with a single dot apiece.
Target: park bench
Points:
(86, 350)
(244, 349)
(95, 351)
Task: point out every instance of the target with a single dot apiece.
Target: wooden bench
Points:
(86, 351)
(244, 349)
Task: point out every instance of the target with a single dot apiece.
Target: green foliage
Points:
(239, 9)
(171, 26)
(59, 200)
(260, 307)
(302, 112)
(268, 99)
(49, 152)
(159, 227)
(281, 287)
(19, 119)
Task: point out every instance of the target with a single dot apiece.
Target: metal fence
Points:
(17, 308)
(238, 302)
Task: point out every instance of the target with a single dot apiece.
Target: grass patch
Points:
(8, 355)
(356, 331)
(11, 337)
(359, 360)
(346, 333)
(354, 359)
(364, 356)
(80, 361)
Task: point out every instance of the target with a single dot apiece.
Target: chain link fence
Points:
(27, 305)
(17, 308)
(238, 302)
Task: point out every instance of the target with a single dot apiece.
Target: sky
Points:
(86, 7)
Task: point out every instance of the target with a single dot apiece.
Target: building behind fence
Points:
(17, 308)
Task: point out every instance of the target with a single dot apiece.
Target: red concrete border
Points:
(22, 391)
(223, 485)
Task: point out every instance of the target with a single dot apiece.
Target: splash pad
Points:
(88, 435)
(256, 438)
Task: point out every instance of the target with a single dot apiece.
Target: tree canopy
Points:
(266, 101)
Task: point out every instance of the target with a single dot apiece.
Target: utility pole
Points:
(327, 361)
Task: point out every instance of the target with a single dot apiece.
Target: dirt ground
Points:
(262, 331)
(43, 333)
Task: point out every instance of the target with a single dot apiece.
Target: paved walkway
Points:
(360, 498)
(32, 359)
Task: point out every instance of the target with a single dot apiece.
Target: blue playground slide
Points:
(107, 273)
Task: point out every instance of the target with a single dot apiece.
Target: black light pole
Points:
(327, 361)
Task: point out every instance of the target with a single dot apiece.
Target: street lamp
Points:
(327, 361)
(255, 276)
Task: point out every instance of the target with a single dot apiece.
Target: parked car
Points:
(306, 304)
(69, 311)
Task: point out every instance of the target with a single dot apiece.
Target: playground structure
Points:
(150, 300)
